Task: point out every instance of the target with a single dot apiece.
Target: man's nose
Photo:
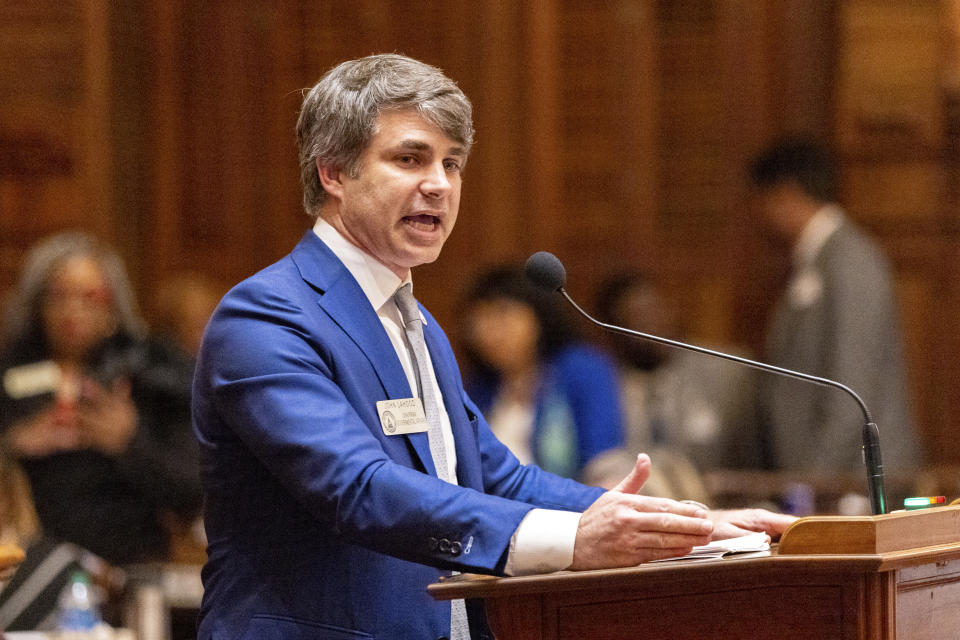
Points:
(436, 182)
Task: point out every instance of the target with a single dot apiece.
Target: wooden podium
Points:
(866, 578)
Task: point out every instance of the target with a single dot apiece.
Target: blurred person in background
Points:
(552, 399)
(181, 308)
(837, 318)
(95, 412)
(19, 524)
(29, 599)
(690, 411)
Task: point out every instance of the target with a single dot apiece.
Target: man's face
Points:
(782, 209)
(403, 202)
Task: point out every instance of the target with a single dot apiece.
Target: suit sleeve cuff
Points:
(543, 542)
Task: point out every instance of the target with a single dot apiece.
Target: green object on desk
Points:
(924, 502)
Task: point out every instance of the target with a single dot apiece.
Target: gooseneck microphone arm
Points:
(717, 354)
(546, 270)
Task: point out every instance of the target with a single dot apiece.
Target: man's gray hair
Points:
(43, 260)
(339, 113)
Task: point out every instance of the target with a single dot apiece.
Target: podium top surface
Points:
(820, 544)
(892, 532)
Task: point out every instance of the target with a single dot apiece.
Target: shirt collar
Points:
(821, 226)
(378, 282)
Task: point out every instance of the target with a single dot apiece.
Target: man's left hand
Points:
(740, 522)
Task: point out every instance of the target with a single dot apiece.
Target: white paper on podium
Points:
(751, 543)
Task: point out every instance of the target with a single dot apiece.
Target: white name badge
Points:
(402, 416)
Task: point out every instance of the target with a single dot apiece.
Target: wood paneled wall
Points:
(614, 134)
(892, 117)
(55, 150)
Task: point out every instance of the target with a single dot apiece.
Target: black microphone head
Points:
(546, 271)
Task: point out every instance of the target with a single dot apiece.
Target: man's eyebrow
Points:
(419, 145)
(414, 144)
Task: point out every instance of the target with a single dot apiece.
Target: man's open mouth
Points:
(423, 222)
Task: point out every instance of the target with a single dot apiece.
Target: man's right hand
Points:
(622, 529)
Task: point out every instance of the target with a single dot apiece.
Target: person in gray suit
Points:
(836, 319)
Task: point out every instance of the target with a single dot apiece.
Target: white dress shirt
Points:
(545, 539)
(806, 283)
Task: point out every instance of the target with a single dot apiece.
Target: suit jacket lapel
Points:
(344, 301)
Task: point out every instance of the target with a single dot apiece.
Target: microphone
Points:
(546, 271)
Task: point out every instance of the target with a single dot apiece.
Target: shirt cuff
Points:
(543, 542)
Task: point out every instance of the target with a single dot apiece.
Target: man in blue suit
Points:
(342, 472)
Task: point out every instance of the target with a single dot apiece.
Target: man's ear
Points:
(331, 179)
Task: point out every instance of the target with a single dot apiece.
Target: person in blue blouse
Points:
(551, 398)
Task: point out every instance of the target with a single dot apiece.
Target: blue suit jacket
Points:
(320, 526)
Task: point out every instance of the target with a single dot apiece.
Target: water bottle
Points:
(78, 610)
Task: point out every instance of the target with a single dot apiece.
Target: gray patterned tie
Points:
(410, 313)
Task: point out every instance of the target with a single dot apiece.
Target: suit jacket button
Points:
(455, 548)
(444, 545)
(432, 544)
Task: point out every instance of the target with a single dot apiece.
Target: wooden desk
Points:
(908, 594)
